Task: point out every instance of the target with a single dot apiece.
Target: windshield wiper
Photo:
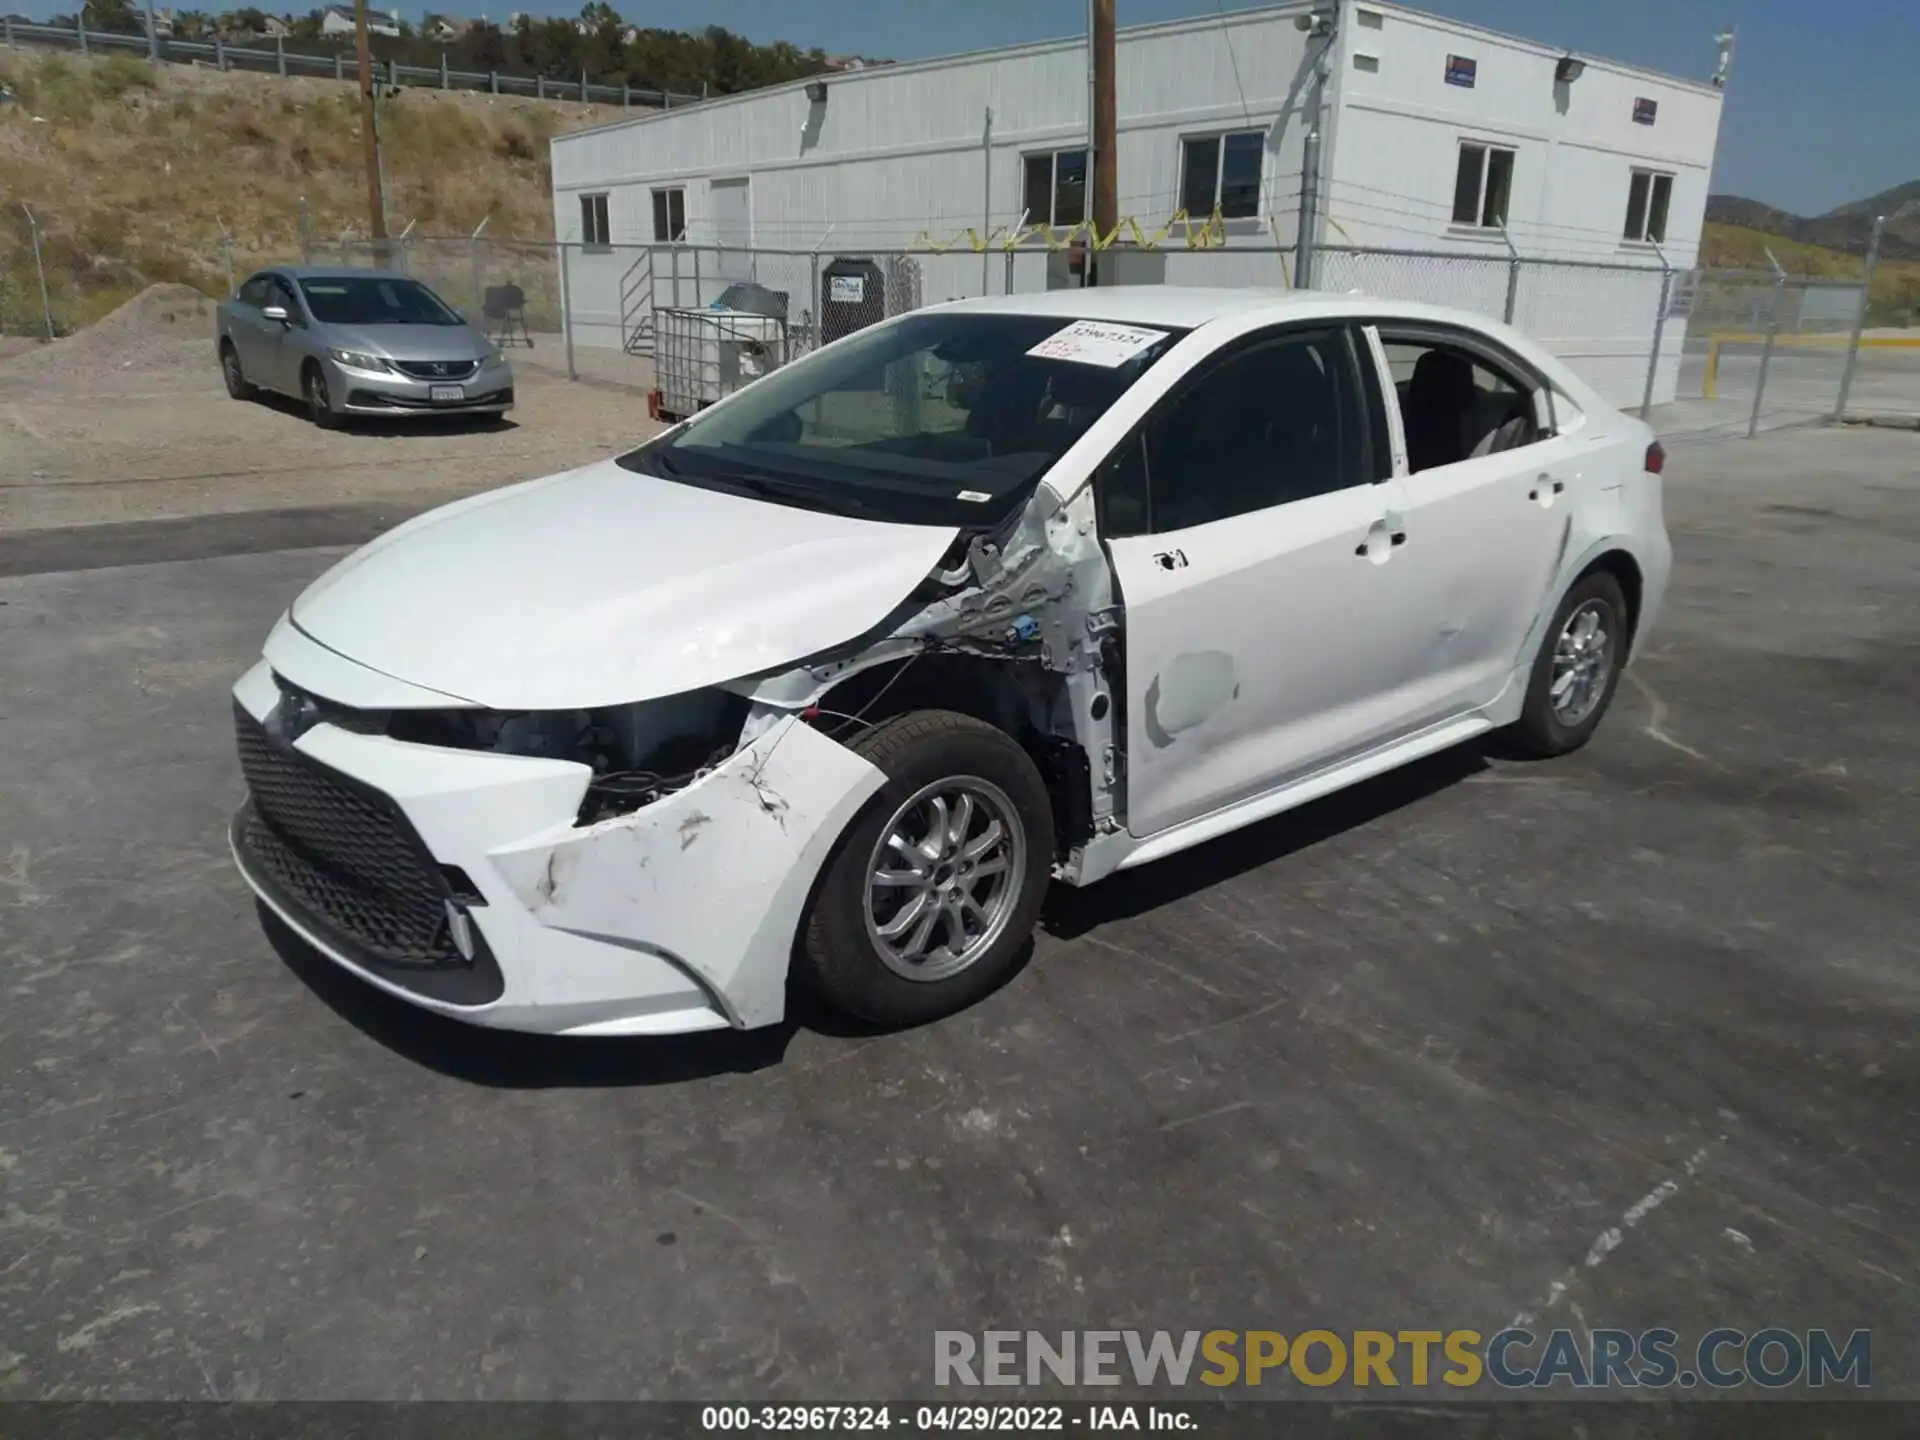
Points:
(770, 488)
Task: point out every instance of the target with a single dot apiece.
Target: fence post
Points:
(626, 95)
(9, 25)
(153, 34)
(1659, 329)
(1766, 355)
(1860, 320)
(443, 71)
(583, 84)
(1513, 274)
(219, 53)
(226, 255)
(566, 313)
(493, 81)
(46, 305)
(473, 255)
(306, 232)
(540, 87)
(393, 74)
(280, 54)
(339, 66)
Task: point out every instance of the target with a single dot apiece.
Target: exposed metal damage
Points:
(1021, 630)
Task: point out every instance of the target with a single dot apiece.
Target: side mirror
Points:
(276, 312)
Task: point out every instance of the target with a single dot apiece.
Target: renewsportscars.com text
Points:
(1722, 1359)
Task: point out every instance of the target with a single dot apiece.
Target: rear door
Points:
(1253, 526)
(1490, 492)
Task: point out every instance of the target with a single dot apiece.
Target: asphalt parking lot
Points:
(1405, 1059)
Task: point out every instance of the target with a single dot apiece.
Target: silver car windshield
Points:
(374, 300)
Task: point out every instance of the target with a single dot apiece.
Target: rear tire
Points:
(237, 384)
(313, 384)
(1576, 672)
(933, 891)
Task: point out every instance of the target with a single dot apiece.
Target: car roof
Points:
(334, 272)
(1189, 307)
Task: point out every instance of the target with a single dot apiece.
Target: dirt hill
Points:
(134, 171)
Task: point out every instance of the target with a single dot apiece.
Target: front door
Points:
(1255, 532)
(250, 330)
(732, 228)
(285, 350)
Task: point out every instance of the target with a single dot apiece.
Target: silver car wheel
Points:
(1582, 662)
(944, 878)
(317, 399)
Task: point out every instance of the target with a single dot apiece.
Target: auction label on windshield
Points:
(1095, 342)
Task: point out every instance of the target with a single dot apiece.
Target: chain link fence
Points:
(1718, 350)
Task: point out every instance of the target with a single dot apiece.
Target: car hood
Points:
(408, 342)
(601, 586)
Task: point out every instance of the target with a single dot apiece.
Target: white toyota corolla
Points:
(835, 677)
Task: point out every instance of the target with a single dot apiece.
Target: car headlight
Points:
(358, 359)
(638, 753)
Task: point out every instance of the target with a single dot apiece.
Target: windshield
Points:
(935, 419)
(375, 300)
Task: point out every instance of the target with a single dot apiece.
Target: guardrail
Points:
(337, 64)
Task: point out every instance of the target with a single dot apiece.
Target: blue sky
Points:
(1824, 106)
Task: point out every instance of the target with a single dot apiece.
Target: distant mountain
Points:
(1844, 228)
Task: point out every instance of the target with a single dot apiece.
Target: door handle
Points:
(1546, 484)
(1390, 525)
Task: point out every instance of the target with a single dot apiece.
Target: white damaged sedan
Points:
(834, 678)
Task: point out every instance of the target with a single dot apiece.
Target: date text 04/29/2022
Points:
(940, 1419)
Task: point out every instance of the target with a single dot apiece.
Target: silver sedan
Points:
(358, 343)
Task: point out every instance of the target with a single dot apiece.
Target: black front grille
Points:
(343, 855)
(437, 369)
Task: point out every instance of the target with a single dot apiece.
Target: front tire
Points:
(1576, 672)
(237, 384)
(319, 402)
(934, 889)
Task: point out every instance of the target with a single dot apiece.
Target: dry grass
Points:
(134, 172)
(1896, 283)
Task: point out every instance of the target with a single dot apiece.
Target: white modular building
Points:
(1453, 147)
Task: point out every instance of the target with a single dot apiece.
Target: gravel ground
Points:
(128, 422)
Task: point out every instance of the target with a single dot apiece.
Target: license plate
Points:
(437, 393)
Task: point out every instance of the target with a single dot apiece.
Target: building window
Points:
(1649, 194)
(1055, 192)
(1222, 170)
(593, 222)
(670, 215)
(1482, 186)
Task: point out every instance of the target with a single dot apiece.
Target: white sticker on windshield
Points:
(977, 497)
(1096, 342)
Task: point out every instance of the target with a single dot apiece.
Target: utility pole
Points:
(1317, 26)
(369, 126)
(1104, 161)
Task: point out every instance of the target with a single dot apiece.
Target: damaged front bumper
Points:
(678, 917)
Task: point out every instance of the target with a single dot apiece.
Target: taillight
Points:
(1656, 458)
